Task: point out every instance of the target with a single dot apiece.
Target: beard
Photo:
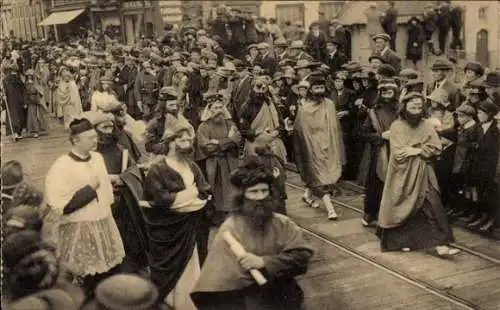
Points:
(219, 117)
(184, 151)
(258, 96)
(317, 96)
(414, 119)
(259, 212)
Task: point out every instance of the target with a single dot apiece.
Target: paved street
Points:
(337, 278)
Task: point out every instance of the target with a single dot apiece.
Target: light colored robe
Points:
(408, 182)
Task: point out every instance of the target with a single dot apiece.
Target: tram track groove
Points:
(444, 292)
(459, 246)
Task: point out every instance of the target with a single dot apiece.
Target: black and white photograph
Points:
(250, 155)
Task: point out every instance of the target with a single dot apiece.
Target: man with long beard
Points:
(260, 123)
(177, 193)
(218, 141)
(374, 132)
(318, 144)
(128, 217)
(272, 243)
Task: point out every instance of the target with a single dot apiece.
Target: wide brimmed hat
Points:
(210, 97)
(412, 95)
(301, 84)
(493, 79)
(304, 63)
(488, 107)
(475, 66)
(475, 86)
(386, 70)
(442, 64)
(278, 76)
(408, 73)
(440, 96)
(263, 45)
(252, 46)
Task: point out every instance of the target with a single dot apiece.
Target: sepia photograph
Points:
(250, 155)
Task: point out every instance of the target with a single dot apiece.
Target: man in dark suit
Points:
(346, 113)
(390, 24)
(267, 60)
(440, 70)
(385, 52)
(335, 58)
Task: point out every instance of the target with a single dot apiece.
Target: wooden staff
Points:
(239, 251)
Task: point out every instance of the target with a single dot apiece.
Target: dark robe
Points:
(125, 140)
(239, 96)
(415, 42)
(16, 114)
(336, 61)
(376, 156)
(223, 284)
(125, 212)
(172, 235)
(131, 97)
(316, 46)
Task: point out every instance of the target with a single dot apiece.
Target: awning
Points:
(58, 18)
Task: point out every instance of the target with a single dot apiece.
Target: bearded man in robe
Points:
(411, 215)
(260, 123)
(218, 142)
(273, 244)
(128, 217)
(168, 112)
(375, 134)
(318, 144)
(177, 193)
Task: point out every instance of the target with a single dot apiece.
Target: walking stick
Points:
(10, 121)
(239, 251)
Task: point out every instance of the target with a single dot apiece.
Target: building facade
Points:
(20, 19)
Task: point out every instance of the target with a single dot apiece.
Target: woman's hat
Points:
(301, 84)
(476, 67)
(440, 96)
(211, 97)
(12, 174)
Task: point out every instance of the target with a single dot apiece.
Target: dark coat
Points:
(345, 102)
(269, 63)
(15, 92)
(250, 32)
(238, 33)
(482, 173)
(430, 22)
(343, 36)
(389, 21)
(335, 63)
(316, 47)
(415, 42)
(393, 59)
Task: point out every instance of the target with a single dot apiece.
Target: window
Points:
(483, 13)
(331, 9)
(290, 12)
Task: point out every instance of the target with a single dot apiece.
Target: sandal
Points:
(445, 251)
(310, 202)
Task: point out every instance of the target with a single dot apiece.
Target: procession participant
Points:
(274, 245)
(135, 259)
(168, 112)
(103, 95)
(318, 145)
(67, 97)
(346, 113)
(14, 92)
(444, 124)
(375, 133)
(177, 192)
(37, 111)
(482, 175)
(218, 141)
(383, 50)
(407, 220)
(146, 90)
(124, 132)
(83, 199)
(260, 122)
(83, 84)
(440, 70)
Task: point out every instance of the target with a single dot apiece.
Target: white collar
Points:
(469, 124)
(333, 53)
(382, 52)
(440, 84)
(486, 126)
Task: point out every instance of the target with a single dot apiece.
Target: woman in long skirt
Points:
(67, 97)
(37, 112)
(411, 215)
